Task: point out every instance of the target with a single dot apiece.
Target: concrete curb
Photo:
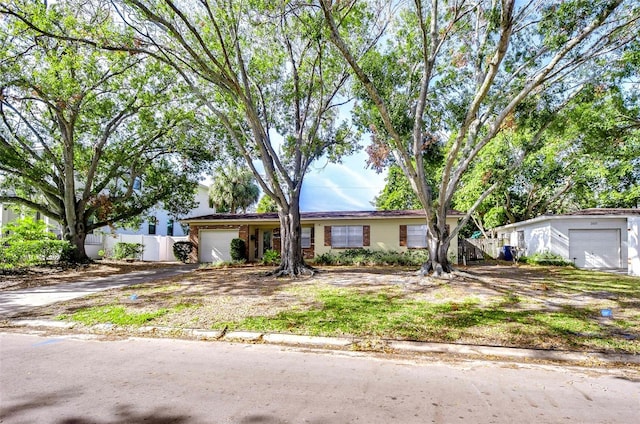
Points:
(358, 344)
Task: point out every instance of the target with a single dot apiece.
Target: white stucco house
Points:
(591, 238)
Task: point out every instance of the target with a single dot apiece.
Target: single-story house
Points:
(322, 232)
(590, 238)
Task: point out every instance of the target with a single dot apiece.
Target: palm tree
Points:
(233, 189)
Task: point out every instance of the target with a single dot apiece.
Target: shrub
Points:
(360, 257)
(238, 249)
(29, 242)
(271, 257)
(123, 250)
(545, 258)
(326, 259)
(182, 250)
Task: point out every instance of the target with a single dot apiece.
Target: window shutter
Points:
(327, 235)
(403, 235)
(366, 235)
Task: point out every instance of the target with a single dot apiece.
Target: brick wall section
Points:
(276, 242)
(194, 231)
(243, 233)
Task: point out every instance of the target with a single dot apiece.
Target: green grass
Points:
(340, 311)
(113, 314)
(573, 280)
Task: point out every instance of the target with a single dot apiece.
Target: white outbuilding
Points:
(591, 238)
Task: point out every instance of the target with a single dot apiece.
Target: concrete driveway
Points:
(13, 302)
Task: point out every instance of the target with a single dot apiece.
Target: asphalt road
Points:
(72, 380)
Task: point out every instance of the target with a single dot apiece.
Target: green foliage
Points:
(266, 204)
(397, 193)
(27, 228)
(271, 257)
(182, 250)
(455, 90)
(545, 258)
(29, 242)
(79, 126)
(361, 257)
(233, 189)
(123, 250)
(113, 314)
(238, 249)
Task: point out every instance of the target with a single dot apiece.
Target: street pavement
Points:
(15, 301)
(67, 379)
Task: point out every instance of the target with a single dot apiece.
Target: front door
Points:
(266, 242)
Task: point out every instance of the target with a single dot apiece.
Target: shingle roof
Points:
(604, 211)
(316, 215)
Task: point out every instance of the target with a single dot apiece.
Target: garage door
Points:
(595, 248)
(215, 245)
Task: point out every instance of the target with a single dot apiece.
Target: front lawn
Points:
(525, 306)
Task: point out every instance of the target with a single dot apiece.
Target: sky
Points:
(348, 186)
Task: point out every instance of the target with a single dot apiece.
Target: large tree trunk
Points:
(292, 261)
(76, 235)
(438, 246)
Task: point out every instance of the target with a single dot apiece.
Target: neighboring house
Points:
(162, 224)
(158, 235)
(322, 232)
(9, 213)
(590, 238)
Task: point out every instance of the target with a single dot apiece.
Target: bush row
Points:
(546, 258)
(31, 252)
(361, 257)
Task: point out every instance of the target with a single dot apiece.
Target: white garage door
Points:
(595, 248)
(215, 245)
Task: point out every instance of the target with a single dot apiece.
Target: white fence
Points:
(156, 248)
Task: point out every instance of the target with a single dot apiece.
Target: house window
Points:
(347, 236)
(170, 227)
(520, 239)
(416, 236)
(152, 226)
(306, 237)
(137, 183)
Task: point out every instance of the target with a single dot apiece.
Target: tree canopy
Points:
(233, 189)
(265, 73)
(90, 138)
(455, 74)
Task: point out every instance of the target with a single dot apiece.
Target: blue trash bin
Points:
(506, 253)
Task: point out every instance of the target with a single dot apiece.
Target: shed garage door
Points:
(595, 248)
(215, 245)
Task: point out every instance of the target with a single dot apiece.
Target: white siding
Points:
(633, 234)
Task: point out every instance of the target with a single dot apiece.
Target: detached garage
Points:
(592, 238)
